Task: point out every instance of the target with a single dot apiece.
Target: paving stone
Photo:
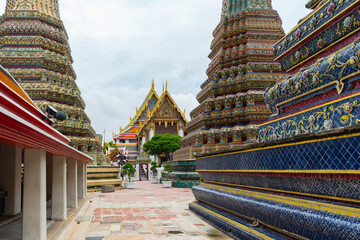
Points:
(146, 212)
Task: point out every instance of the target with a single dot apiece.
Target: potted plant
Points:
(128, 171)
(154, 165)
(167, 170)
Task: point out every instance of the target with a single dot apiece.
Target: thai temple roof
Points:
(9, 81)
(150, 115)
(147, 112)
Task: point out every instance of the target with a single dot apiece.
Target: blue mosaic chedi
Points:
(302, 179)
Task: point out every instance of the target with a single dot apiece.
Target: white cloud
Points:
(118, 46)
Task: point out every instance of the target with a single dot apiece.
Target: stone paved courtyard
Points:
(147, 212)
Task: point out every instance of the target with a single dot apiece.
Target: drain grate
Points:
(175, 232)
(110, 222)
(84, 219)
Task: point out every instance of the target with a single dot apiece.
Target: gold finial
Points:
(131, 121)
(184, 112)
(163, 88)
(137, 112)
(152, 84)
(121, 129)
(166, 86)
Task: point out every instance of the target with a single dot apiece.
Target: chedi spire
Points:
(34, 49)
(234, 6)
(231, 99)
(49, 7)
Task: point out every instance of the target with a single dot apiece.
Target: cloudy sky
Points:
(119, 46)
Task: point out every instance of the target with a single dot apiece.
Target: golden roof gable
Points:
(150, 115)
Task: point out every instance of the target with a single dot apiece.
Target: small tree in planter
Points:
(168, 170)
(129, 170)
(154, 165)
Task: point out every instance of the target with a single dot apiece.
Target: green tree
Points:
(163, 144)
(129, 170)
(154, 165)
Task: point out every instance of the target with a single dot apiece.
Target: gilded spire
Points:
(49, 7)
(166, 86)
(152, 85)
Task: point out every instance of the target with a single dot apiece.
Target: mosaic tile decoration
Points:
(325, 15)
(231, 224)
(330, 154)
(332, 72)
(347, 25)
(344, 113)
(332, 187)
(305, 222)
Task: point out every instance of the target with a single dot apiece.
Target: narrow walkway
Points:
(147, 212)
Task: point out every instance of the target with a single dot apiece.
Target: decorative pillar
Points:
(151, 132)
(137, 173)
(72, 198)
(34, 200)
(81, 180)
(10, 178)
(181, 132)
(142, 143)
(59, 196)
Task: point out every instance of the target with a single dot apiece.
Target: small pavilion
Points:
(37, 164)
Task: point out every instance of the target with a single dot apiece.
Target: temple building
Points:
(156, 115)
(34, 49)
(300, 176)
(231, 100)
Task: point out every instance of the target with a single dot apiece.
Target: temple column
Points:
(81, 180)
(34, 200)
(72, 191)
(49, 177)
(59, 196)
(10, 178)
(150, 136)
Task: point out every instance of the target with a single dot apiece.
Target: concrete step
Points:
(102, 169)
(101, 182)
(102, 175)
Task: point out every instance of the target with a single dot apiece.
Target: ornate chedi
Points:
(242, 67)
(302, 179)
(34, 48)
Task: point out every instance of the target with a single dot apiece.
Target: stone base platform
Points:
(184, 174)
(98, 176)
(233, 225)
(183, 179)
